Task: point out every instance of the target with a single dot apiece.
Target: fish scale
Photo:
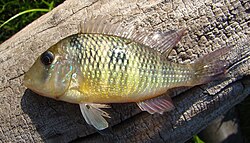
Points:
(118, 67)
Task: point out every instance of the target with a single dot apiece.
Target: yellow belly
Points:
(106, 93)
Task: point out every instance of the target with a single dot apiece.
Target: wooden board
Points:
(28, 117)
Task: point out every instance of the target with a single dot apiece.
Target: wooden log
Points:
(28, 117)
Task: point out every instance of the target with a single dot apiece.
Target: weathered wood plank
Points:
(27, 117)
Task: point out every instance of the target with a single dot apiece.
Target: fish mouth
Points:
(26, 81)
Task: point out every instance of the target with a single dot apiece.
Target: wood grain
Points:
(28, 117)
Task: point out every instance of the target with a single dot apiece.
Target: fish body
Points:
(114, 69)
(92, 68)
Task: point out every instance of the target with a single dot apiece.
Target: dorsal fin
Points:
(160, 41)
(103, 25)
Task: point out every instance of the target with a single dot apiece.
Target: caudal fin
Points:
(211, 67)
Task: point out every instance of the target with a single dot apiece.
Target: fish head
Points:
(51, 73)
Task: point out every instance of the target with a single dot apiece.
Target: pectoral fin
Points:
(93, 115)
(156, 105)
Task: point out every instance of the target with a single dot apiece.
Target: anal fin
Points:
(157, 105)
(93, 115)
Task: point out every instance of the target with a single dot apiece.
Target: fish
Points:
(110, 63)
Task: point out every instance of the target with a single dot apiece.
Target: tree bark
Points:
(28, 117)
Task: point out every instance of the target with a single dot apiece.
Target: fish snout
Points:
(26, 81)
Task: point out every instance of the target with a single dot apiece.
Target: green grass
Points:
(16, 14)
(196, 139)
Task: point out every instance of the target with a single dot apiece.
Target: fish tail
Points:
(211, 67)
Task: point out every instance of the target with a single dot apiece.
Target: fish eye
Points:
(47, 58)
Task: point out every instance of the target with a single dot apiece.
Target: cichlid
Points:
(107, 63)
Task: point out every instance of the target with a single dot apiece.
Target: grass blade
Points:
(24, 12)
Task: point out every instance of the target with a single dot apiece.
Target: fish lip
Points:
(26, 81)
